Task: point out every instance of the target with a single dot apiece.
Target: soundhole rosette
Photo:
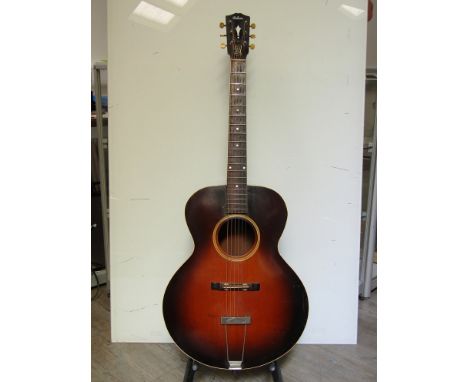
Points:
(236, 237)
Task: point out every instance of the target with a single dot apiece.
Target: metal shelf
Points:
(102, 144)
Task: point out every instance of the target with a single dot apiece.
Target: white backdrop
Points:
(168, 97)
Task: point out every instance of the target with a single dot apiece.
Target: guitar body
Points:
(235, 303)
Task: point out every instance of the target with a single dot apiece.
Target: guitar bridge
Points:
(245, 287)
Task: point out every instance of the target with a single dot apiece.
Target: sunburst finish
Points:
(192, 310)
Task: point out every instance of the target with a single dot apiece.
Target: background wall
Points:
(168, 134)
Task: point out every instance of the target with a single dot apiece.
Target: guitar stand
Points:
(192, 367)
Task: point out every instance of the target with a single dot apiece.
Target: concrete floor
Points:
(138, 362)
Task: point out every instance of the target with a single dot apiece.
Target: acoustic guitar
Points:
(235, 303)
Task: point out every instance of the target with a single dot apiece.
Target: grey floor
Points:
(163, 362)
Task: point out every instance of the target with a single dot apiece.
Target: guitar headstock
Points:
(237, 35)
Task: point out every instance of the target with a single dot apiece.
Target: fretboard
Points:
(236, 192)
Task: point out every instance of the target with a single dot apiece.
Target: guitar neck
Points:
(237, 145)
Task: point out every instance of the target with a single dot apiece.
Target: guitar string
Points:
(238, 237)
(240, 249)
(231, 90)
(241, 222)
(233, 69)
(244, 69)
(239, 100)
(228, 294)
(237, 228)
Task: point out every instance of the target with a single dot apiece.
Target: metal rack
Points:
(192, 367)
(367, 282)
(97, 68)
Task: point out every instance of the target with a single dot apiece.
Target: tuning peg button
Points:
(221, 25)
(253, 26)
(223, 45)
(252, 36)
(252, 46)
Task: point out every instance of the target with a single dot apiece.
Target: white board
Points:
(168, 95)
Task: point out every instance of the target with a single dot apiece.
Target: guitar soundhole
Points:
(236, 237)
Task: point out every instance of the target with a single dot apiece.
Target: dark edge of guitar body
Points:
(277, 312)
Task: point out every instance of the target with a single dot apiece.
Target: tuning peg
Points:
(252, 46)
(223, 45)
(252, 36)
(221, 25)
(253, 26)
